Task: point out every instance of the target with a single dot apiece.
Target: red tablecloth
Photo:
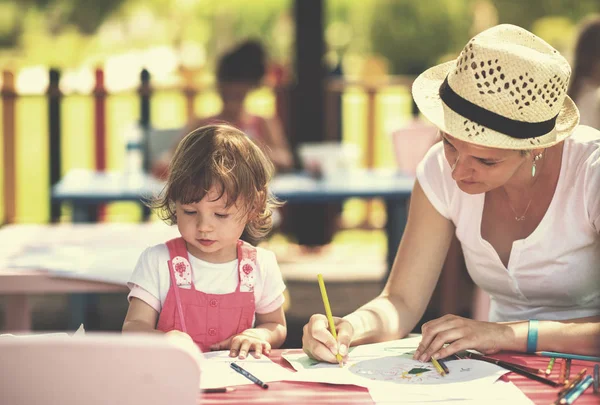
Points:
(315, 393)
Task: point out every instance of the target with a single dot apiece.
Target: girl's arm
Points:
(140, 317)
(271, 327)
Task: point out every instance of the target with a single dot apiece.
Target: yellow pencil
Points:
(438, 367)
(550, 365)
(338, 356)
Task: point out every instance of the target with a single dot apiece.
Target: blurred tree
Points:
(413, 34)
(526, 13)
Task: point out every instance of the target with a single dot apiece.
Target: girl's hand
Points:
(240, 345)
(185, 342)
(461, 334)
(319, 343)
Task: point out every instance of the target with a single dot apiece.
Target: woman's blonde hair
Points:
(224, 157)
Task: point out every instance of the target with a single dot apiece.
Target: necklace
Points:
(517, 216)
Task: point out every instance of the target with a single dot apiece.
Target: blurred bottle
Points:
(134, 154)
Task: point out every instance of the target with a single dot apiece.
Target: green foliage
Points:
(526, 12)
(414, 34)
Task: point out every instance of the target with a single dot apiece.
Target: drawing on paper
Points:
(404, 370)
(307, 363)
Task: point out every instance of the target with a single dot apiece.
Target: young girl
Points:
(208, 284)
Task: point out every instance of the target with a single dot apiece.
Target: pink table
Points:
(295, 393)
(18, 284)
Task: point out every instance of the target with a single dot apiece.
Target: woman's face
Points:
(477, 169)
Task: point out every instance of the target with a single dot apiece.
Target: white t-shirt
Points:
(150, 280)
(552, 274)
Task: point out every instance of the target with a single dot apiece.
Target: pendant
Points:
(521, 218)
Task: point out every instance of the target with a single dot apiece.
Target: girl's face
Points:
(477, 169)
(210, 229)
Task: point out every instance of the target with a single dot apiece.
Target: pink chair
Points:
(412, 142)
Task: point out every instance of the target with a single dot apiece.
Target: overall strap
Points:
(177, 248)
(177, 297)
(247, 261)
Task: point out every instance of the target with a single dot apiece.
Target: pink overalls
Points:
(208, 318)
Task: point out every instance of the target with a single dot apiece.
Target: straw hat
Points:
(507, 89)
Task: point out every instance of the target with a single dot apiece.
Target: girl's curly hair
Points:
(224, 157)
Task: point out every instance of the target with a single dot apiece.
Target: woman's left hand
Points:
(240, 345)
(460, 334)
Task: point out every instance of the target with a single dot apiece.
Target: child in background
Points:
(209, 286)
(239, 72)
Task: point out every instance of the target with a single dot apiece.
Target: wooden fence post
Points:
(145, 92)
(54, 99)
(8, 128)
(100, 130)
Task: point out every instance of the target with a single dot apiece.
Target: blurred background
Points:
(154, 62)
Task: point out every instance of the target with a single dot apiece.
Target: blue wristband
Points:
(532, 336)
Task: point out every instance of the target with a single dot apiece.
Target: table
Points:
(32, 261)
(86, 188)
(17, 284)
(292, 393)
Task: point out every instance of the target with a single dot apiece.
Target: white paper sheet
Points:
(497, 393)
(215, 370)
(389, 372)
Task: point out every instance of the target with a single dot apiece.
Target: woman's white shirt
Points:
(552, 274)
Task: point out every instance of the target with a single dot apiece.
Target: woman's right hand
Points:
(319, 343)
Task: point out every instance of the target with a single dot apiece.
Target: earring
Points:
(535, 159)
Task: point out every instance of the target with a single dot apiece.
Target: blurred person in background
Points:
(240, 71)
(584, 88)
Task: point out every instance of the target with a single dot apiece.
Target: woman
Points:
(519, 183)
(240, 71)
(585, 81)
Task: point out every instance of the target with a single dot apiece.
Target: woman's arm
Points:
(399, 307)
(450, 334)
(414, 275)
(580, 335)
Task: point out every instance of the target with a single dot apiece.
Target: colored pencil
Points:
(570, 384)
(561, 374)
(438, 367)
(550, 365)
(515, 368)
(338, 356)
(444, 366)
(570, 356)
(567, 370)
(248, 375)
(596, 377)
(493, 360)
(577, 391)
(220, 390)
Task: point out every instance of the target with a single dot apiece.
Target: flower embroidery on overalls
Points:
(247, 275)
(183, 271)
